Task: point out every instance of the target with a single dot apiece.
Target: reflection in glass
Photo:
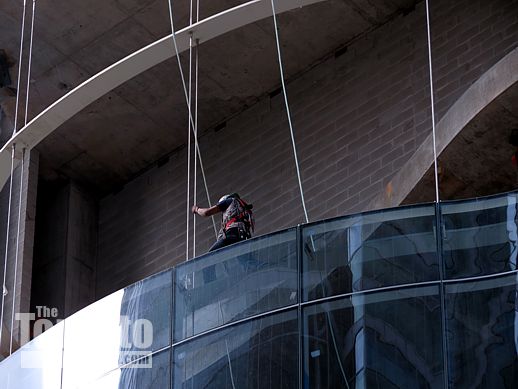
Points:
(369, 251)
(380, 340)
(115, 330)
(37, 365)
(482, 333)
(151, 372)
(235, 282)
(480, 236)
(261, 353)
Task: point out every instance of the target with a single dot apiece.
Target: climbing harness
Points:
(241, 212)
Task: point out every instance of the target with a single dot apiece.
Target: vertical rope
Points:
(195, 174)
(30, 63)
(17, 248)
(7, 242)
(438, 220)
(288, 112)
(432, 102)
(173, 35)
(189, 149)
(19, 69)
(195, 150)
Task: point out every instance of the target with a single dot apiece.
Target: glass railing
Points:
(417, 296)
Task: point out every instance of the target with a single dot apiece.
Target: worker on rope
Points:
(237, 220)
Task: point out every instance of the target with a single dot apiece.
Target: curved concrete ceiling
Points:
(118, 73)
(502, 76)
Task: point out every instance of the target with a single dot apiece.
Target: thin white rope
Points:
(30, 63)
(195, 189)
(19, 69)
(189, 103)
(288, 112)
(17, 249)
(7, 243)
(195, 151)
(228, 352)
(190, 117)
(437, 199)
(230, 365)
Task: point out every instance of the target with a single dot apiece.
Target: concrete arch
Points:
(132, 65)
(503, 75)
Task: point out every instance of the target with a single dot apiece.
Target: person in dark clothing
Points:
(237, 221)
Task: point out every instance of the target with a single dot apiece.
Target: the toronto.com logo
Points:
(134, 351)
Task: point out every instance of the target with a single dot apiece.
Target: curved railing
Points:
(417, 296)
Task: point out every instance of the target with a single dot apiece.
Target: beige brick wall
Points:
(357, 117)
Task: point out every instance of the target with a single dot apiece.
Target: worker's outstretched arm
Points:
(205, 211)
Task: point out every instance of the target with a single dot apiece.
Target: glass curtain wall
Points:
(399, 298)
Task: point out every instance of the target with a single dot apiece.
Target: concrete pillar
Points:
(65, 253)
(22, 285)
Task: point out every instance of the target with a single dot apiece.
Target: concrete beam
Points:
(502, 76)
(113, 76)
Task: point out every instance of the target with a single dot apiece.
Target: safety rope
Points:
(432, 102)
(4, 292)
(22, 166)
(228, 351)
(195, 151)
(436, 173)
(30, 63)
(195, 194)
(173, 35)
(19, 69)
(288, 112)
(189, 146)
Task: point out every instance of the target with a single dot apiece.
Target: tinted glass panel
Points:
(369, 251)
(37, 365)
(151, 372)
(235, 282)
(113, 331)
(480, 236)
(379, 340)
(482, 333)
(262, 353)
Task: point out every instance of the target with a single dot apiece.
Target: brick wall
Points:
(357, 118)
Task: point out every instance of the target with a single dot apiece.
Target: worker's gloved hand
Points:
(194, 209)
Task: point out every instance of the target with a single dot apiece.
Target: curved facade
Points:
(417, 296)
(420, 296)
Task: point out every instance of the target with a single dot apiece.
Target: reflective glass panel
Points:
(482, 333)
(261, 353)
(369, 251)
(113, 331)
(37, 365)
(378, 340)
(151, 372)
(480, 236)
(235, 282)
